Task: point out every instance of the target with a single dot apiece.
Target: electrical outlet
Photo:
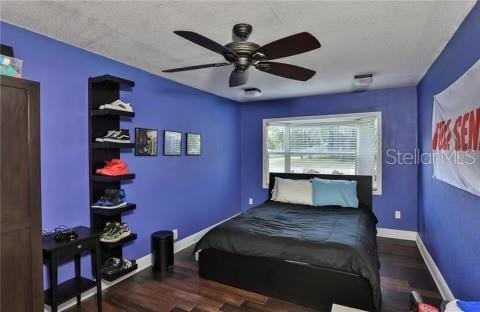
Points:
(175, 234)
(250, 201)
(398, 214)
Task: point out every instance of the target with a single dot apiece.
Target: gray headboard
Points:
(364, 184)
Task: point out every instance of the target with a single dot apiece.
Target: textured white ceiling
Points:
(396, 40)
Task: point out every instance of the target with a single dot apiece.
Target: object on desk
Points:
(66, 235)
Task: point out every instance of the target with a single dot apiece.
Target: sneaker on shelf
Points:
(115, 167)
(112, 266)
(118, 105)
(127, 264)
(109, 228)
(111, 198)
(109, 134)
(120, 136)
(121, 231)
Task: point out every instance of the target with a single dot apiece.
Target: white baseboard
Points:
(143, 263)
(397, 234)
(434, 271)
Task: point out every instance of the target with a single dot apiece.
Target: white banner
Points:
(456, 132)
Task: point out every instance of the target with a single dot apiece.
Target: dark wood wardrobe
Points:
(21, 286)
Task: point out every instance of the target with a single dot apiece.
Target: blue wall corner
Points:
(448, 217)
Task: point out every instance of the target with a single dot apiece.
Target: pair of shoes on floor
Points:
(118, 105)
(114, 232)
(111, 198)
(114, 265)
(115, 136)
(114, 167)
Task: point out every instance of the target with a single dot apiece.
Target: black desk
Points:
(56, 251)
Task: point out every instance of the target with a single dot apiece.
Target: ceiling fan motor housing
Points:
(244, 49)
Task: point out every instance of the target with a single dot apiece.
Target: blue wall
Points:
(188, 193)
(399, 121)
(449, 218)
(219, 183)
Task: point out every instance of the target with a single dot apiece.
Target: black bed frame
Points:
(307, 285)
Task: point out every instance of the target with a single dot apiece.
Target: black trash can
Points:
(162, 253)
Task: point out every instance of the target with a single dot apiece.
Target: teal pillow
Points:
(334, 193)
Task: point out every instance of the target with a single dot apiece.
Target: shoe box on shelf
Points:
(108, 202)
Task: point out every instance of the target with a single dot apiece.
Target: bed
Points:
(307, 255)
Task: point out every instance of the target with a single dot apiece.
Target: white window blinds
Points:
(339, 144)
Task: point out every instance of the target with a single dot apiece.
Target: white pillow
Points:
(275, 185)
(292, 191)
(274, 189)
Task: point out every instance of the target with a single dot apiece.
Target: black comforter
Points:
(333, 237)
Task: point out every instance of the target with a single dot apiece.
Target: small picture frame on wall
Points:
(146, 142)
(172, 143)
(194, 144)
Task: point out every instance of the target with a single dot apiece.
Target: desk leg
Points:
(53, 282)
(98, 275)
(77, 275)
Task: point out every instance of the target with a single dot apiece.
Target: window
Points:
(329, 144)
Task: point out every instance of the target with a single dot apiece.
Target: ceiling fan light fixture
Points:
(363, 79)
(252, 92)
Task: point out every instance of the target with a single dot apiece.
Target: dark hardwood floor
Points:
(402, 270)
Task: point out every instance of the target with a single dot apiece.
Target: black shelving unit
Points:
(114, 211)
(111, 113)
(102, 90)
(112, 179)
(112, 145)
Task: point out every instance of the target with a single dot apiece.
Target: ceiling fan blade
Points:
(205, 42)
(173, 70)
(238, 78)
(286, 70)
(288, 46)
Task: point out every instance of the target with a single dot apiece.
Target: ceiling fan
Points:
(243, 54)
